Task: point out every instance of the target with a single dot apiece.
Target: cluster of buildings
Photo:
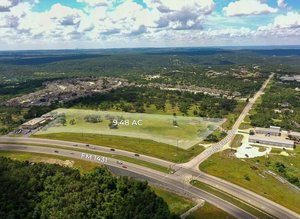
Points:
(65, 90)
(287, 78)
(195, 89)
(273, 137)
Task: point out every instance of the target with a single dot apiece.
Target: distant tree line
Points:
(136, 99)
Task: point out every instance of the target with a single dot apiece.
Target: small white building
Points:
(272, 141)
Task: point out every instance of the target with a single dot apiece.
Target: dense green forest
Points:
(280, 106)
(51, 191)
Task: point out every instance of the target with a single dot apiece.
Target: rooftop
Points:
(295, 134)
(271, 130)
(34, 121)
(270, 139)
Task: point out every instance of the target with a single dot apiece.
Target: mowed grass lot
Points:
(251, 174)
(177, 204)
(159, 128)
(237, 140)
(136, 145)
(209, 211)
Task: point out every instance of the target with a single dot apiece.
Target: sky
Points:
(79, 24)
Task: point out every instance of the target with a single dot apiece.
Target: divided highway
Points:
(172, 182)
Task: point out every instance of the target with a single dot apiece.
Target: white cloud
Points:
(5, 5)
(248, 7)
(283, 26)
(95, 3)
(130, 24)
(180, 15)
(281, 4)
(290, 20)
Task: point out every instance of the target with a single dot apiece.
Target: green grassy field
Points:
(237, 140)
(160, 128)
(141, 146)
(209, 211)
(251, 174)
(177, 204)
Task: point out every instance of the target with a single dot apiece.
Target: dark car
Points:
(137, 155)
(124, 167)
(56, 151)
(87, 145)
(112, 149)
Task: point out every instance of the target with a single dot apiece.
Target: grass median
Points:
(233, 200)
(177, 204)
(136, 145)
(118, 157)
(209, 211)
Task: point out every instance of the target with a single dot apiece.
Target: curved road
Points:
(162, 178)
(180, 175)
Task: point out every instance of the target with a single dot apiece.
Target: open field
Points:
(187, 132)
(209, 211)
(252, 174)
(141, 146)
(177, 204)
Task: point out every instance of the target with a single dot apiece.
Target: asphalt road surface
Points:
(139, 172)
(178, 181)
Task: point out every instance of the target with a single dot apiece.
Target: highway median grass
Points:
(252, 174)
(136, 145)
(118, 157)
(177, 204)
(209, 211)
(233, 200)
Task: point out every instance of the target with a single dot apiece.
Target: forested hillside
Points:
(51, 191)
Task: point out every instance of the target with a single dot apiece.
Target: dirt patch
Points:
(68, 163)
